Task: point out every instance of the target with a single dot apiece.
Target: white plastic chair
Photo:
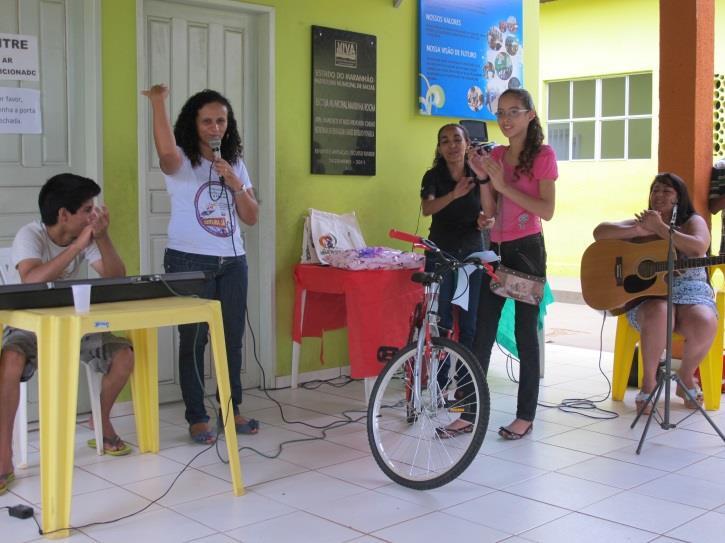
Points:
(20, 427)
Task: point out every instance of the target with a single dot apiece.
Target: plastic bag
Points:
(329, 233)
(375, 258)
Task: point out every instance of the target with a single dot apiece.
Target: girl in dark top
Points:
(450, 193)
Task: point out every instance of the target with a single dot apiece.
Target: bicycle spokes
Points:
(408, 413)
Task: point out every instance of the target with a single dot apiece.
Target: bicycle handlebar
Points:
(404, 236)
(450, 261)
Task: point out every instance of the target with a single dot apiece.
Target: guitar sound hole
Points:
(634, 284)
(646, 268)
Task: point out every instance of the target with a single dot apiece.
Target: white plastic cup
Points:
(82, 298)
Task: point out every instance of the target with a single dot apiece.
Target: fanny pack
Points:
(510, 283)
(524, 287)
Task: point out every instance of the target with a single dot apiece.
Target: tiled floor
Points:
(574, 479)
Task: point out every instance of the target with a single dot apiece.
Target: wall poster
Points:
(470, 52)
(20, 111)
(344, 67)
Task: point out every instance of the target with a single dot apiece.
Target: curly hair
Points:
(187, 136)
(534, 132)
(438, 159)
(685, 209)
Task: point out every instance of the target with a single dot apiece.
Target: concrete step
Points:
(566, 290)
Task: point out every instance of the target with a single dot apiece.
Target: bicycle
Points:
(410, 406)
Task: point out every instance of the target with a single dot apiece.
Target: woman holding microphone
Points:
(210, 191)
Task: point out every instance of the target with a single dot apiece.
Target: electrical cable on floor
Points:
(579, 406)
(336, 424)
(141, 510)
(333, 425)
(183, 469)
(333, 382)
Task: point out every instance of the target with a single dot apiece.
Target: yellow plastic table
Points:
(59, 331)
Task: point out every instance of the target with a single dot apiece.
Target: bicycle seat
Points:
(424, 278)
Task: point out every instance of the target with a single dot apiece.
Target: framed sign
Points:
(344, 66)
(470, 52)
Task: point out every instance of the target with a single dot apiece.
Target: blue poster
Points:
(470, 52)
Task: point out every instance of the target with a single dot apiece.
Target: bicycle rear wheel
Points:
(402, 431)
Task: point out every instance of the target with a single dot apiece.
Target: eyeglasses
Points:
(510, 114)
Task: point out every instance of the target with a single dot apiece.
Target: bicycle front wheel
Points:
(407, 413)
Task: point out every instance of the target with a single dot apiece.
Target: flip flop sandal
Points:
(203, 437)
(5, 480)
(249, 427)
(694, 392)
(447, 433)
(113, 446)
(640, 401)
(513, 436)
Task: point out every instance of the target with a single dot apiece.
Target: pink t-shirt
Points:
(512, 220)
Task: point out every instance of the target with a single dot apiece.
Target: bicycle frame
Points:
(429, 327)
(409, 413)
(427, 320)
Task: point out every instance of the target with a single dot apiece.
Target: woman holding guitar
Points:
(695, 314)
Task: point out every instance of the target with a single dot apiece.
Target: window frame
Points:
(598, 118)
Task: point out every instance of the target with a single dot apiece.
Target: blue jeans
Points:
(229, 286)
(528, 255)
(466, 319)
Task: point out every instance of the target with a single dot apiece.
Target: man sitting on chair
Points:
(72, 229)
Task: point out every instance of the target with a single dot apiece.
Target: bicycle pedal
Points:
(451, 406)
(386, 354)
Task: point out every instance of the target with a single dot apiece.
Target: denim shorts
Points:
(97, 350)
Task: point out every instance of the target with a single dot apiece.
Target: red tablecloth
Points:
(375, 305)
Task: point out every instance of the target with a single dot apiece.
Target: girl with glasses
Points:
(519, 195)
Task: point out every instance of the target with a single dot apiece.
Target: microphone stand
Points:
(664, 370)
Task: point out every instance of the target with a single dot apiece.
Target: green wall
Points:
(591, 39)
(584, 40)
(577, 39)
(120, 156)
(405, 139)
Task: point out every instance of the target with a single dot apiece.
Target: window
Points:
(600, 119)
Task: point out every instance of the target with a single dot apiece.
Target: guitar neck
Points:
(685, 263)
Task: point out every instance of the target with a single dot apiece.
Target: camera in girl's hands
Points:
(482, 147)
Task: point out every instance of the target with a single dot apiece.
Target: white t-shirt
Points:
(33, 242)
(204, 218)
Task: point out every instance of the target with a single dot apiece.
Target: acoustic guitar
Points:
(616, 273)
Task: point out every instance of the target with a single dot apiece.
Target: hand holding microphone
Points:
(215, 145)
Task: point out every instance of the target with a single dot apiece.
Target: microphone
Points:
(674, 216)
(215, 145)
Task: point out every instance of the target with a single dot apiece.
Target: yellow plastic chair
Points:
(710, 368)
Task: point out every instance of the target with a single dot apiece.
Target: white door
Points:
(68, 91)
(193, 47)
(70, 140)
